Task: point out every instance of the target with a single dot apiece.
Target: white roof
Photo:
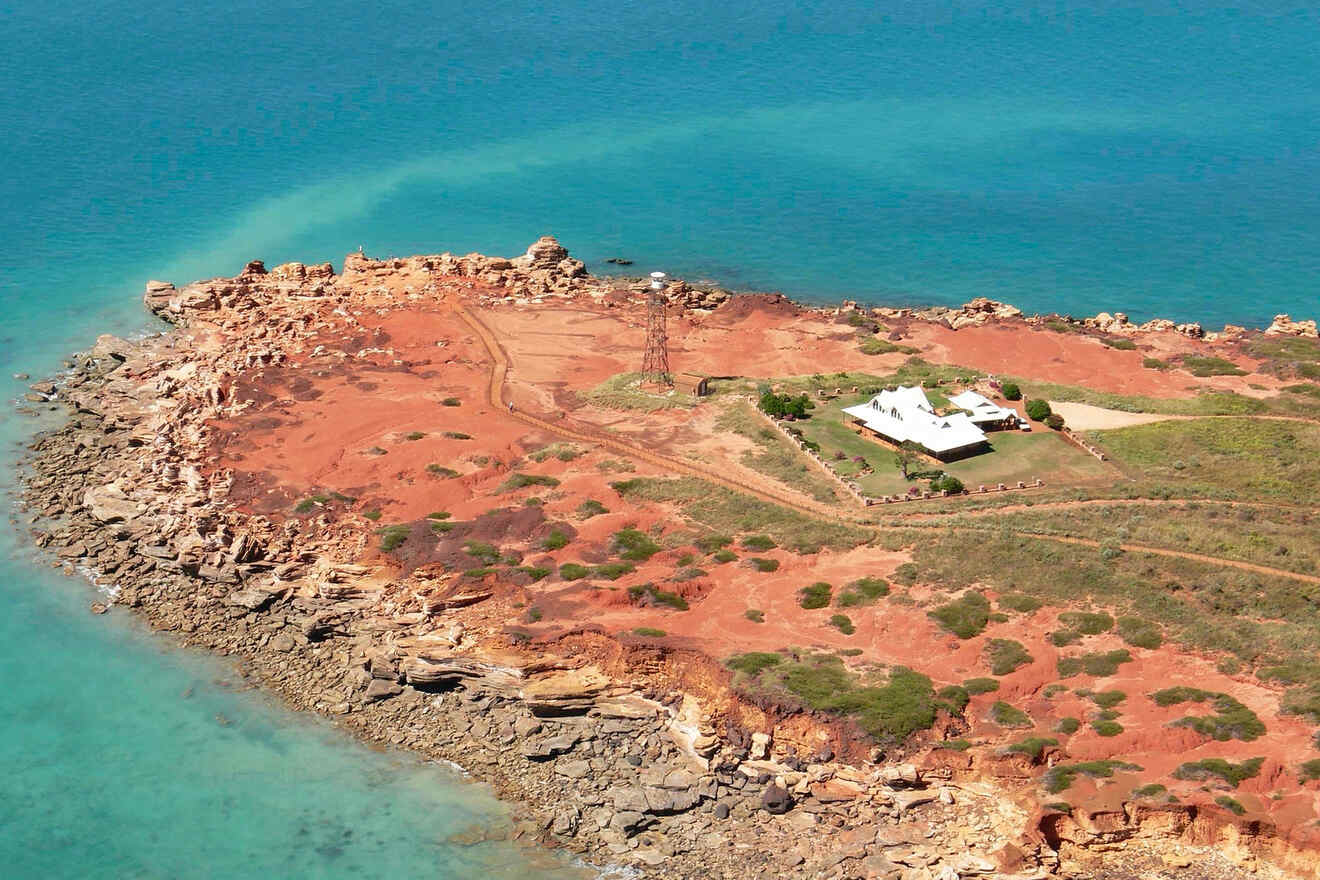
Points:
(981, 408)
(906, 415)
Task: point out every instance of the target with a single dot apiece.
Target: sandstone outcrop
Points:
(1284, 325)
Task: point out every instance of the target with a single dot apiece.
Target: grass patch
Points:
(633, 545)
(451, 401)
(1063, 637)
(723, 557)
(442, 528)
(559, 451)
(572, 571)
(965, 616)
(373, 515)
(1086, 622)
(391, 537)
(889, 709)
(954, 745)
(456, 435)
(1019, 602)
(765, 566)
(1060, 778)
(519, 480)
(556, 540)
(1309, 771)
(536, 573)
(1034, 746)
(862, 591)
(1230, 804)
(1140, 633)
(977, 686)
(1107, 727)
(1108, 699)
(712, 543)
(954, 698)
(815, 596)
(648, 594)
(1151, 790)
(843, 624)
(650, 632)
(625, 392)
(414, 435)
(1006, 715)
(1206, 366)
(612, 571)
(1068, 726)
(1006, 655)
(753, 662)
(1231, 774)
(1231, 719)
(755, 615)
(759, 543)
(591, 507)
(774, 454)
(441, 471)
(1099, 664)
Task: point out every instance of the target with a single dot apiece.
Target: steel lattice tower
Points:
(655, 362)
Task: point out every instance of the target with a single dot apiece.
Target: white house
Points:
(984, 413)
(905, 415)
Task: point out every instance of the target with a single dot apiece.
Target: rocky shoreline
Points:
(621, 769)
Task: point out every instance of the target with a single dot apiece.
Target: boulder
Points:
(110, 504)
(379, 689)
(776, 800)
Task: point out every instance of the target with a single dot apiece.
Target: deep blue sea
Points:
(1159, 158)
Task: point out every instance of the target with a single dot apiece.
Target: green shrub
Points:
(1151, 790)
(759, 543)
(392, 536)
(976, 686)
(815, 596)
(711, 543)
(765, 566)
(457, 435)
(634, 545)
(534, 614)
(1011, 391)
(520, 480)
(1064, 637)
(689, 573)
(1233, 774)
(1019, 602)
(1139, 633)
(1108, 699)
(1086, 622)
(591, 507)
(1151, 363)
(1098, 664)
(1038, 410)
(1034, 746)
(954, 745)
(414, 435)
(1061, 776)
(487, 553)
(954, 697)
(612, 571)
(843, 624)
(478, 573)
(536, 573)
(1054, 422)
(753, 662)
(1107, 727)
(436, 470)
(755, 615)
(571, 571)
(724, 556)
(1120, 344)
(1308, 771)
(649, 594)
(1231, 719)
(1230, 804)
(1006, 656)
(1203, 366)
(451, 401)
(372, 515)
(951, 484)
(439, 514)
(1068, 726)
(556, 540)
(650, 632)
(1005, 715)
(907, 574)
(965, 616)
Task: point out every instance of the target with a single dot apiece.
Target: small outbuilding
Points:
(692, 383)
(985, 413)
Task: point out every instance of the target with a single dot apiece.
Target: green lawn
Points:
(1015, 455)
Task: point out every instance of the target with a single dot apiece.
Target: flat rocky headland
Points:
(423, 497)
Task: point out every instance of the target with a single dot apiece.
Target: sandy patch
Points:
(1085, 417)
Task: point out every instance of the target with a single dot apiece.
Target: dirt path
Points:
(495, 393)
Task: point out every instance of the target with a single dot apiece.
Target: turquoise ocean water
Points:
(1159, 158)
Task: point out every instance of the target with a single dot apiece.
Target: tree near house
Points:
(906, 457)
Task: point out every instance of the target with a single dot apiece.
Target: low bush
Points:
(1309, 771)
(1038, 410)
(1227, 771)
(1068, 726)
(1151, 790)
(391, 537)
(437, 470)
(650, 632)
(712, 543)
(414, 435)
(976, 686)
(765, 566)
(634, 545)
(954, 698)
(648, 594)
(1230, 804)
(843, 624)
(1034, 746)
(1120, 343)
(1054, 422)
(1086, 622)
(451, 401)
(612, 571)
(1019, 602)
(759, 543)
(591, 507)
(815, 596)
(556, 540)
(1099, 664)
(724, 556)
(965, 616)
(536, 573)
(1011, 391)
(954, 745)
(755, 615)
(1205, 366)
(1140, 633)
(478, 573)
(947, 483)
(1006, 715)
(1061, 776)
(1151, 363)
(1107, 727)
(1108, 699)
(518, 481)
(1063, 637)
(487, 553)
(372, 515)
(1006, 656)
(439, 514)
(572, 571)
(456, 435)
(1231, 719)
(753, 662)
